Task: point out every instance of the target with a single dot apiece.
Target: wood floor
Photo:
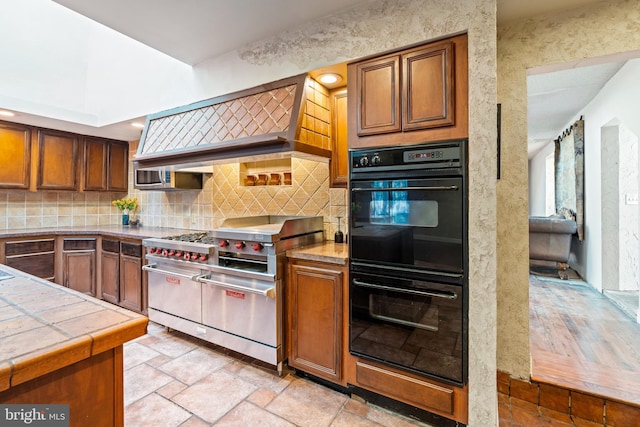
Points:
(583, 342)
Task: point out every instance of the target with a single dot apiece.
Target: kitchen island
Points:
(60, 346)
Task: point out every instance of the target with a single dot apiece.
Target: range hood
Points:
(287, 117)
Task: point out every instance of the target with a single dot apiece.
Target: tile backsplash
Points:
(24, 209)
(223, 195)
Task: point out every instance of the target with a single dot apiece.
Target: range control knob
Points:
(152, 251)
(376, 160)
(257, 247)
(203, 257)
(194, 256)
(178, 254)
(364, 161)
(165, 252)
(240, 245)
(223, 243)
(187, 256)
(172, 252)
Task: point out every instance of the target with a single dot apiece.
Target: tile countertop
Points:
(328, 251)
(104, 230)
(45, 327)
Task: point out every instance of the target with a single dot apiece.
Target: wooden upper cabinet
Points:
(96, 158)
(15, 156)
(427, 87)
(35, 159)
(118, 171)
(57, 161)
(105, 165)
(410, 96)
(378, 87)
(339, 139)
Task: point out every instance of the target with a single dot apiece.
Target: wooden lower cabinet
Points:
(121, 274)
(93, 389)
(316, 336)
(79, 264)
(110, 271)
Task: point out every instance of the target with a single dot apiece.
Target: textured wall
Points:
(589, 31)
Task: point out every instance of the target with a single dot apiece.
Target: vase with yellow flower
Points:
(127, 206)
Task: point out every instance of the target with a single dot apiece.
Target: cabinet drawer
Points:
(29, 247)
(110, 246)
(131, 249)
(40, 265)
(81, 244)
(405, 388)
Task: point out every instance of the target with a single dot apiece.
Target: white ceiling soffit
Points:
(554, 99)
(195, 30)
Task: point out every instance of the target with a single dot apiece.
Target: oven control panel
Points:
(426, 156)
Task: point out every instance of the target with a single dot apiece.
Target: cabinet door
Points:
(378, 96)
(316, 321)
(15, 156)
(131, 295)
(57, 161)
(96, 156)
(427, 87)
(110, 276)
(80, 271)
(339, 140)
(118, 169)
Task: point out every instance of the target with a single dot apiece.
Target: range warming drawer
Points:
(242, 307)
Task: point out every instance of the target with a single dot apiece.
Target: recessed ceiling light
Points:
(6, 113)
(329, 78)
(137, 125)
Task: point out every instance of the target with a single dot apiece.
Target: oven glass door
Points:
(411, 324)
(415, 223)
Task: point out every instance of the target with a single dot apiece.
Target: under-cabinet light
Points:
(6, 113)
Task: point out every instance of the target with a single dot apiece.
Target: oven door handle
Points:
(269, 292)
(152, 267)
(437, 294)
(436, 188)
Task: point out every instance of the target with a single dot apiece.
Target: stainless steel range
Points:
(225, 286)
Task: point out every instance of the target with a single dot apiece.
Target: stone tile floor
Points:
(172, 379)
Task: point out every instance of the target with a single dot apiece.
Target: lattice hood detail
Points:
(262, 119)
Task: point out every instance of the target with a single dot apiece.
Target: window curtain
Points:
(569, 175)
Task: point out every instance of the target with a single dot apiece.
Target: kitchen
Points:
(181, 206)
(181, 267)
(500, 296)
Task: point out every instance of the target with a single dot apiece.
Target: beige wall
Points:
(599, 29)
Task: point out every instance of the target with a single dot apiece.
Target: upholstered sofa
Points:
(550, 242)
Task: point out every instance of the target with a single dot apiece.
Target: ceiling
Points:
(555, 99)
(195, 30)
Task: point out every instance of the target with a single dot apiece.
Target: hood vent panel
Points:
(265, 119)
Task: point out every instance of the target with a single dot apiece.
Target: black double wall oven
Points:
(408, 258)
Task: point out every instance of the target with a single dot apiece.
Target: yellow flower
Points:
(127, 203)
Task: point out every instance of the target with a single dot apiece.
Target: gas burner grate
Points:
(191, 237)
